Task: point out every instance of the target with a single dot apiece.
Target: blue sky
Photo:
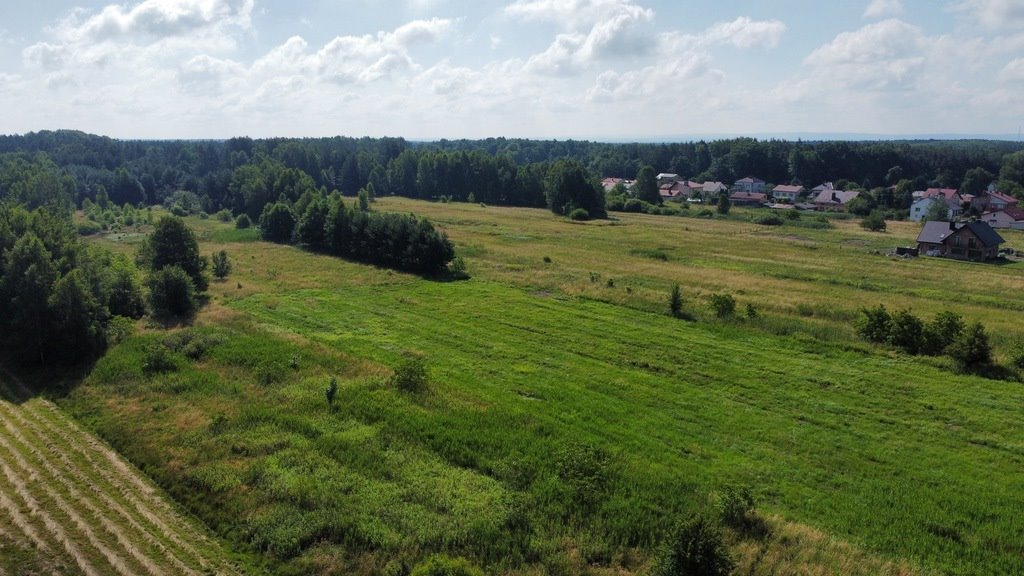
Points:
(425, 69)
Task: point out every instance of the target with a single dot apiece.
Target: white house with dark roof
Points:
(750, 184)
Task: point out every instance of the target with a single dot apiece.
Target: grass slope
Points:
(569, 421)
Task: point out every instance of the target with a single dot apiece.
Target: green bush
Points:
(724, 305)
(736, 508)
(221, 265)
(769, 220)
(695, 547)
(874, 324)
(441, 565)
(411, 373)
(171, 292)
(875, 222)
(906, 332)
(579, 215)
(88, 228)
(971, 350)
(223, 215)
(158, 359)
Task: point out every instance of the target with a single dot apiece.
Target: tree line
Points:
(244, 175)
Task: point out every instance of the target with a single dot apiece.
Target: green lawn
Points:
(536, 367)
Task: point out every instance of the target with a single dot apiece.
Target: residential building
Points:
(919, 209)
(1011, 217)
(961, 241)
(750, 184)
(787, 192)
(834, 199)
(748, 198)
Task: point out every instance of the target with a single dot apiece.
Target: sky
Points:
(431, 69)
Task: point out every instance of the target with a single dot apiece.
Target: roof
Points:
(934, 232)
(750, 180)
(833, 197)
(947, 193)
(752, 196)
(787, 189)
(666, 176)
(938, 232)
(823, 187)
(714, 186)
(1006, 198)
(988, 236)
(1014, 212)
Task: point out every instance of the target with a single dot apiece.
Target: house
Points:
(834, 199)
(786, 192)
(748, 198)
(961, 241)
(750, 184)
(951, 196)
(714, 188)
(671, 191)
(1011, 217)
(826, 187)
(666, 178)
(993, 201)
(919, 209)
(609, 183)
(692, 189)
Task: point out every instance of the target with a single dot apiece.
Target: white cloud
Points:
(994, 14)
(46, 56)
(746, 33)
(884, 55)
(883, 8)
(156, 19)
(577, 14)
(1013, 71)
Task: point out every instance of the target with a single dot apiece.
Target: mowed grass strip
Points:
(77, 517)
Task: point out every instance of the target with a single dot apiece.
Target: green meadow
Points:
(568, 421)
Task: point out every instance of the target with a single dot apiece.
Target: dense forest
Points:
(244, 175)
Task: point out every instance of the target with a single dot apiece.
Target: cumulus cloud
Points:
(1013, 71)
(595, 30)
(884, 55)
(746, 33)
(883, 8)
(156, 19)
(994, 14)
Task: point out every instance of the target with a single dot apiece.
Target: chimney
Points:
(952, 226)
(834, 197)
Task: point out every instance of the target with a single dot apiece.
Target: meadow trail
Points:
(77, 506)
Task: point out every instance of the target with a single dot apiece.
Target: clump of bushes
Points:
(243, 222)
(769, 220)
(723, 305)
(968, 346)
(695, 546)
(875, 222)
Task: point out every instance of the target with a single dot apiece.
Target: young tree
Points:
(724, 203)
(646, 186)
(277, 223)
(171, 292)
(221, 264)
(875, 222)
(172, 243)
(695, 547)
(675, 302)
(332, 391)
(568, 186)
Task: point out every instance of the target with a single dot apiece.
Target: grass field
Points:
(568, 420)
(69, 505)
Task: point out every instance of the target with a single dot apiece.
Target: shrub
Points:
(411, 373)
(874, 324)
(792, 214)
(88, 228)
(675, 302)
(736, 508)
(751, 311)
(1017, 355)
(705, 213)
(971, 350)
(724, 204)
(906, 331)
(585, 470)
(441, 565)
(875, 222)
(171, 292)
(331, 392)
(458, 268)
(223, 215)
(694, 548)
(579, 215)
(724, 305)
(221, 265)
(158, 359)
(769, 220)
(942, 331)
(243, 222)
